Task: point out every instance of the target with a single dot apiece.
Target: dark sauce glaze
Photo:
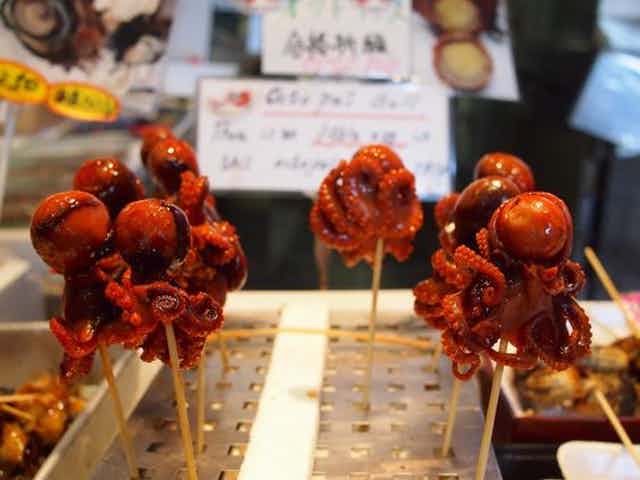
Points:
(70, 230)
(151, 235)
(477, 203)
(109, 180)
(167, 160)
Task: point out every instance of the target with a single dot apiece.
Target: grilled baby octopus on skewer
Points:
(518, 285)
(215, 263)
(370, 197)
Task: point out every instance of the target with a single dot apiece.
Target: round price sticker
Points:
(21, 84)
(83, 102)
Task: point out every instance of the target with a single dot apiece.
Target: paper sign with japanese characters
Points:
(286, 136)
(358, 38)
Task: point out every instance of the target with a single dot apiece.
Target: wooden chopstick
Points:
(612, 290)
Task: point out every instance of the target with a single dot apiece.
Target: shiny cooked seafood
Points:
(615, 369)
(30, 430)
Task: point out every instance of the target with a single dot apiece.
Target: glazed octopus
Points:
(64, 226)
(71, 232)
(215, 263)
(117, 290)
(368, 198)
(153, 236)
(110, 181)
(498, 177)
(512, 280)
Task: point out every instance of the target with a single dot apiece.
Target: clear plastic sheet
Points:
(608, 104)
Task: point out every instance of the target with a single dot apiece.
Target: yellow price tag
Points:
(83, 102)
(21, 84)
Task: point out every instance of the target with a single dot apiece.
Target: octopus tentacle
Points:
(447, 269)
(192, 195)
(559, 348)
(482, 239)
(573, 276)
(444, 208)
(453, 312)
(466, 258)
(167, 302)
(579, 340)
(357, 190)
(397, 200)
(567, 278)
(332, 206)
(371, 197)
(460, 357)
(428, 304)
(217, 242)
(400, 248)
(70, 343)
(551, 279)
(327, 232)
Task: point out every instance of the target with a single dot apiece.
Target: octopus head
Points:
(505, 165)
(69, 230)
(151, 235)
(533, 227)
(110, 181)
(151, 136)
(476, 204)
(167, 160)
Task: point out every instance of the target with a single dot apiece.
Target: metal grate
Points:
(232, 402)
(398, 440)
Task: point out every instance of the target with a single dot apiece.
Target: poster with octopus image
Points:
(115, 46)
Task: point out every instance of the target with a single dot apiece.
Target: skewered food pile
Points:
(370, 197)
(30, 429)
(614, 369)
(133, 264)
(503, 272)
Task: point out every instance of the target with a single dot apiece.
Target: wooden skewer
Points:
(201, 400)
(20, 397)
(16, 412)
(485, 444)
(321, 254)
(224, 352)
(617, 426)
(107, 371)
(451, 420)
(612, 290)
(375, 287)
(435, 359)
(181, 404)
(363, 337)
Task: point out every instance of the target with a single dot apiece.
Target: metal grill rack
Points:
(400, 438)
(232, 400)
(397, 440)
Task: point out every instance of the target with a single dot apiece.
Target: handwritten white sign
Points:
(359, 38)
(286, 136)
